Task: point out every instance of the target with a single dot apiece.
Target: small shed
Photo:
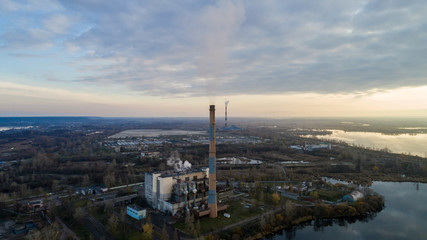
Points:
(136, 211)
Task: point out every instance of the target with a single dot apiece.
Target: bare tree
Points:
(50, 232)
(113, 222)
(79, 214)
(86, 180)
(164, 235)
(289, 208)
(175, 235)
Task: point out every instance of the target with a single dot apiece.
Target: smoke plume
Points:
(175, 162)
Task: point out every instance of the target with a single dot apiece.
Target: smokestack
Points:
(226, 104)
(212, 165)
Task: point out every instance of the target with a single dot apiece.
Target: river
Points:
(404, 217)
(414, 144)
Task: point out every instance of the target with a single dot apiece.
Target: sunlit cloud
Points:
(343, 54)
(27, 100)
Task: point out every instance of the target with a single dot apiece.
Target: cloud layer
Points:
(186, 48)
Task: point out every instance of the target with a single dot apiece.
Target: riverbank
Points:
(292, 215)
(402, 218)
(366, 179)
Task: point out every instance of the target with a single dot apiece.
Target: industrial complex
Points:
(171, 191)
(184, 190)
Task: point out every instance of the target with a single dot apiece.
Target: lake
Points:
(415, 144)
(404, 217)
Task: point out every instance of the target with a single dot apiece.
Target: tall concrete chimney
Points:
(226, 104)
(212, 165)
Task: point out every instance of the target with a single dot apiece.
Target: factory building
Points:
(175, 192)
(171, 191)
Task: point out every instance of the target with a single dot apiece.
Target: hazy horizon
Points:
(220, 117)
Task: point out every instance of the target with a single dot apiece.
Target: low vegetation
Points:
(293, 215)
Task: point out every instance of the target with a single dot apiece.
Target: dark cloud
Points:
(156, 47)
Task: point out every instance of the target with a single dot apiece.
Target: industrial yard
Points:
(215, 183)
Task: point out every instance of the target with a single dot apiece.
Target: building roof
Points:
(172, 173)
(356, 195)
(135, 207)
(353, 196)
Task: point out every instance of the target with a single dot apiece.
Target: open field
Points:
(154, 133)
(330, 195)
(237, 211)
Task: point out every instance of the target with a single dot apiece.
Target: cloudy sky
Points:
(283, 58)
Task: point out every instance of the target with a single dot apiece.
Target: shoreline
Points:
(367, 180)
(284, 218)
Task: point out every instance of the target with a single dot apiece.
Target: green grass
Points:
(237, 211)
(77, 227)
(81, 230)
(131, 233)
(80, 203)
(98, 213)
(330, 195)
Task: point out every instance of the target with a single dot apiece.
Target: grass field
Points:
(130, 233)
(237, 211)
(81, 230)
(331, 195)
(80, 203)
(99, 214)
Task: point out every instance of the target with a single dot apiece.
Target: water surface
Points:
(415, 144)
(404, 217)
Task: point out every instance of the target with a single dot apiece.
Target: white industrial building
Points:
(170, 191)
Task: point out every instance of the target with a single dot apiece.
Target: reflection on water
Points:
(404, 217)
(9, 128)
(414, 144)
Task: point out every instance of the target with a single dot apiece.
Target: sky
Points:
(271, 58)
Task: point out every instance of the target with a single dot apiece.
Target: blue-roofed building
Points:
(352, 197)
(136, 212)
(232, 128)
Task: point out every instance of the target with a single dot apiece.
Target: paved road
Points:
(96, 228)
(66, 232)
